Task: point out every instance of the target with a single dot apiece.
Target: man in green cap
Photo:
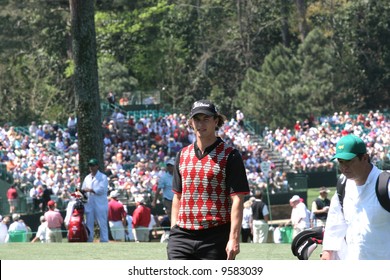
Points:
(95, 186)
(358, 230)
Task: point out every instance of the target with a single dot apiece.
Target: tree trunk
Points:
(89, 128)
(302, 23)
(285, 27)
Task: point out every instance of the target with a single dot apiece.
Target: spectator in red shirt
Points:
(297, 127)
(141, 220)
(54, 223)
(12, 196)
(39, 163)
(117, 217)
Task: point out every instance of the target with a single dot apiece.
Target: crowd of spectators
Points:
(309, 145)
(45, 156)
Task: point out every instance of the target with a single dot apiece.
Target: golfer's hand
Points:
(232, 249)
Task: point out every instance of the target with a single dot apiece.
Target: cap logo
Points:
(204, 107)
(200, 104)
(341, 147)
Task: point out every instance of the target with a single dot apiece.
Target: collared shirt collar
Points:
(198, 152)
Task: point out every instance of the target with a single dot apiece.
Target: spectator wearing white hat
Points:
(300, 216)
(41, 232)
(117, 217)
(17, 225)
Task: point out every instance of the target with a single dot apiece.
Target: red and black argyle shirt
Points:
(205, 195)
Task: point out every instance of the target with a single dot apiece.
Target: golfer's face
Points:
(204, 125)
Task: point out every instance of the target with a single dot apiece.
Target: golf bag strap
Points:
(340, 189)
(380, 189)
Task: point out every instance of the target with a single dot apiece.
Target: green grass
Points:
(138, 251)
(129, 251)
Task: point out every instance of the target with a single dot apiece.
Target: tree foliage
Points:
(270, 91)
(33, 47)
(277, 61)
(363, 31)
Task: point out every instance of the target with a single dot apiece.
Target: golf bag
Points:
(77, 230)
(306, 242)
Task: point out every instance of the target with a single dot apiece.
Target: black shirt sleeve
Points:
(236, 178)
(176, 182)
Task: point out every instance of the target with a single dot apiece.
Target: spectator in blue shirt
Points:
(165, 184)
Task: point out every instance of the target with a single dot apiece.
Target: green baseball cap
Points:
(349, 147)
(93, 162)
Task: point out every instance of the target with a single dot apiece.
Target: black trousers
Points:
(246, 235)
(207, 244)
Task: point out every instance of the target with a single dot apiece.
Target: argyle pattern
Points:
(205, 200)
